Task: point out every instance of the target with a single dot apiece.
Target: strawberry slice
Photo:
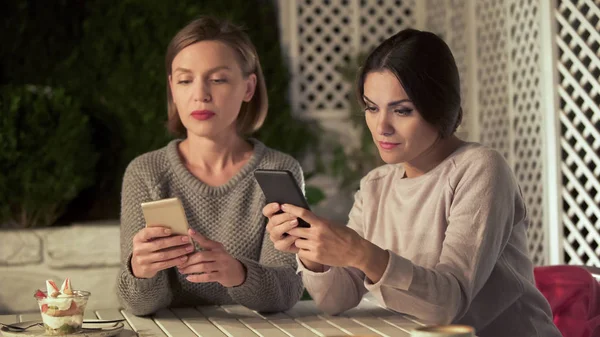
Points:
(44, 308)
(39, 294)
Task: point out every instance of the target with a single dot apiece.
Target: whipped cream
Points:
(57, 322)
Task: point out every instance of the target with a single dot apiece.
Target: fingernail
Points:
(167, 231)
(192, 231)
(189, 249)
(276, 206)
(183, 258)
(294, 222)
(185, 239)
(283, 207)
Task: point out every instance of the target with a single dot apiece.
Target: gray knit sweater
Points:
(230, 214)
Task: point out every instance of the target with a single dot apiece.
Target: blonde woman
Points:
(216, 99)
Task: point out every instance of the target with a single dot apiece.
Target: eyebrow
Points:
(394, 103)
(215, 69)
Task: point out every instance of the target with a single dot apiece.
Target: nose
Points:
(202, 93)
(384, 127)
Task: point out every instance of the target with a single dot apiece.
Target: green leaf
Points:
(314, 195)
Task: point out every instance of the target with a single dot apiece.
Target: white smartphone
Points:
(166, 213)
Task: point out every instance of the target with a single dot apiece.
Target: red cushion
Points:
(573, 295)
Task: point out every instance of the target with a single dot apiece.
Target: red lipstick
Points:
(202, 115)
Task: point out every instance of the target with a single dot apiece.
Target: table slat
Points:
(401, 322)
(171, 324)
(228, 323)
(143, 325)
(292, 328)
(116, 314)
(303, 309)
(349, 326)
(273, 315)
(199, 324)
(381, 327)
(320, 326)
(262, 327)
(240, 311)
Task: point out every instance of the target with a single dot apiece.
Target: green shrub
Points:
(46, 157)
(110, 55)
(121, 73)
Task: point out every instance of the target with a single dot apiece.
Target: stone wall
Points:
(87, 253)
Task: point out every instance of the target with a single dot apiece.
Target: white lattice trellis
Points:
(507, 87)
(447, 19)
(527, 119)
(328, 34)
(493, 77)
(527, 67)
(578, 41)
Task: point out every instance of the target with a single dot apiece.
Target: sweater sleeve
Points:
(338, 289)
(480, 221)
(139, 296)
(271, 282)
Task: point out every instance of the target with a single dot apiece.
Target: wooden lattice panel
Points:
(447, 19)
(380, 19)
(328, 35)
(493, 76)
(578, 41)
(527, 120)
(324, 40)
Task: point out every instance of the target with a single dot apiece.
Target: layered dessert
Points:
(62, 309)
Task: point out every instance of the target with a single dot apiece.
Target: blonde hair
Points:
(252, 113)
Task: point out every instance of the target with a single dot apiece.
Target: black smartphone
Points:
(280, 186)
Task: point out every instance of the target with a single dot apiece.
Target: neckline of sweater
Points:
(176, 163)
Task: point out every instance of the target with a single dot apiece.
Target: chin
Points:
(391, 158)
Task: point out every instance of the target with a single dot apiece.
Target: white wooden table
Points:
(303, 320)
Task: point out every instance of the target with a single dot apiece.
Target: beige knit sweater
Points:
(457, 241)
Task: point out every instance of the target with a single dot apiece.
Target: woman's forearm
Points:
(312, 266)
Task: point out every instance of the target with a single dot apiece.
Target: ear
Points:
(250, 87)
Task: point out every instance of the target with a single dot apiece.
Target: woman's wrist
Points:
(371, 260)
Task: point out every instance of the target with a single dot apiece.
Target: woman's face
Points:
(398, 129)
(208, 88)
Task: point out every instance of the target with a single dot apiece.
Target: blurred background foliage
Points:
(103, 64)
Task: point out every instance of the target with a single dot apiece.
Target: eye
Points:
(184, 82)
(370, 109)
(403, 112)
(218, 80)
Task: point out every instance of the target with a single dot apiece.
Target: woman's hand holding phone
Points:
(212, 264)
(278, 226)
(322, 244)
(154, 249)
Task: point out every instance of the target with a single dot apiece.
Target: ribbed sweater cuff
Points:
(252, 283)
(142, 284)
(398, 274)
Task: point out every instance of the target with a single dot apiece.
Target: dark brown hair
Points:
(424, 65)
(252, 113)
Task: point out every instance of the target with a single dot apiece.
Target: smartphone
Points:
(280, 186)
(166, 213)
